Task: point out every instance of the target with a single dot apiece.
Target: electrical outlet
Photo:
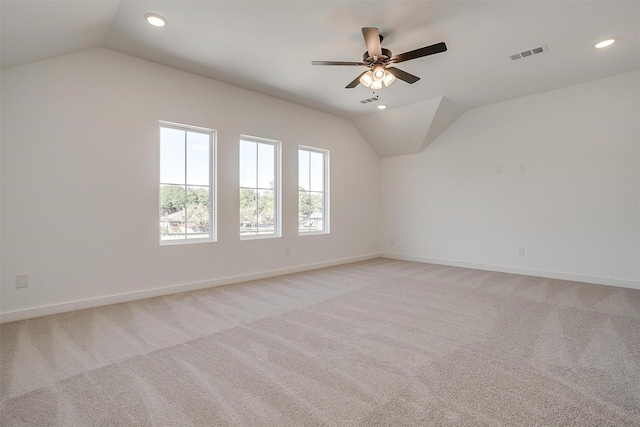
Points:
(22, 281)
(520, 251)
(287, 251)
(392, 241)
(499, 169)
(521, 168)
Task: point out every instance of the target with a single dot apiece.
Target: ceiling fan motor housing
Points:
(386, 54)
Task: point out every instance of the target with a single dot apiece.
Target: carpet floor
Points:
(378, 342)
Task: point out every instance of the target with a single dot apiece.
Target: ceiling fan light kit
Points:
(375, 79)
(388, 78)
(378, 73)
(378, 60)
(367, 79)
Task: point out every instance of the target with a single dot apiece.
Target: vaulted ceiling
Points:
(268, 46)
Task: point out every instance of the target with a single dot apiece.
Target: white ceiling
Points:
(268, 46)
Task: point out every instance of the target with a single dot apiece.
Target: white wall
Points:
(575, 209)
(80, 179)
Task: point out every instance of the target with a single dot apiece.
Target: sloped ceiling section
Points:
(408, 129)
(36, 30)
(447, 113)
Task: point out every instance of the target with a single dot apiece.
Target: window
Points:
(259, 188)
(186, 183)
(313, 194)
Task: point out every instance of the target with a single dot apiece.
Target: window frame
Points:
(277, 188)
(326, 227)
(213, 191)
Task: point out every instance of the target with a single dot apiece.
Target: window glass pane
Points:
(303, 170)
(172, 156)
(266, 212)
(198, 223)
(258, 183)
(266, 160)
(172, 204)
(197, 158)
(248, 158)
(317, 171)
(316, 218)
(185, 183)
(304, 210)
(248, 211)
(312, 194)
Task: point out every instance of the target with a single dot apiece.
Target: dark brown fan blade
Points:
(336, 63)
(419, 53)
(356, 82)
(372, 39)
(403, 75)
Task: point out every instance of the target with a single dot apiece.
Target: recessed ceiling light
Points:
(381, 106)
(155, 19)
(605, 43)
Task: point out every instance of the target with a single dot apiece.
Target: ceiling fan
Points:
(379, 61)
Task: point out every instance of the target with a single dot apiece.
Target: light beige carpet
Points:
(379, 342)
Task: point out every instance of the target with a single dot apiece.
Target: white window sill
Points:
(258, 236)
(311, 233)
(185, 241)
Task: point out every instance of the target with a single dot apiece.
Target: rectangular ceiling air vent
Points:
(366, 101)
(530, 52)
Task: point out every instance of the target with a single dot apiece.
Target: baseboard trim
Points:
(525, 272)
(29, 313)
